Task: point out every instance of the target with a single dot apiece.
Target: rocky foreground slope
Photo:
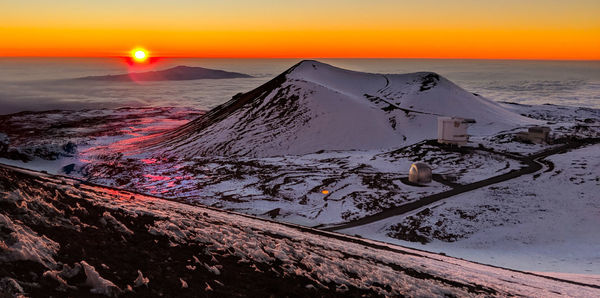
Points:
(315, 106)
(62, 237)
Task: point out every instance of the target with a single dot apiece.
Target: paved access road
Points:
(532, 163)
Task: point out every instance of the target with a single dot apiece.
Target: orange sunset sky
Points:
(508, 29)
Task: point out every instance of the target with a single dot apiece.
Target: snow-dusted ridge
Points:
(177, 73)
(315, 106)
(210, 250)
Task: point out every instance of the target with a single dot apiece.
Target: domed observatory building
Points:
(419, 173)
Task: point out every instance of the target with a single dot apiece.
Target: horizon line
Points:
(313, 58)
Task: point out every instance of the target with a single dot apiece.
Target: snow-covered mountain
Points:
(315, 106)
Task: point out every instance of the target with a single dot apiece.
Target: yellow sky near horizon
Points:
(233, 28)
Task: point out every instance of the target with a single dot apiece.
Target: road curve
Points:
(532, 165)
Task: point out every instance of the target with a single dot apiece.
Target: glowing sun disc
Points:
(139, 55)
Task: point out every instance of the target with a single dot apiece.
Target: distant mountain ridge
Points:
(177, 73)
(315, 106)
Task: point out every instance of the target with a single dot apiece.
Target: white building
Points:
(453, 130)
(536, 135)
(419, 173)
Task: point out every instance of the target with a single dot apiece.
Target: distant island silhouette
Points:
(178, 73)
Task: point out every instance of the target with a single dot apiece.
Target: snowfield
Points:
(548, 221)
(213, 252)
(290, 188)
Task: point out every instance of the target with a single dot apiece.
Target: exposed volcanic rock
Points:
(315, 106)
(178, 73)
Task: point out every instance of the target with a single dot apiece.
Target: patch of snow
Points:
(591, 279)
(117, 225)
(65, 273)
(19, 242)
(140, 280)
(212, 269)
(98, 284)
(9, 287)
(207, 288)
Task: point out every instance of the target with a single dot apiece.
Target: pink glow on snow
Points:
(149, 161)
(157, 177)
(145, 129)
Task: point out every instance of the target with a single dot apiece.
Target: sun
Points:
(139, 55)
